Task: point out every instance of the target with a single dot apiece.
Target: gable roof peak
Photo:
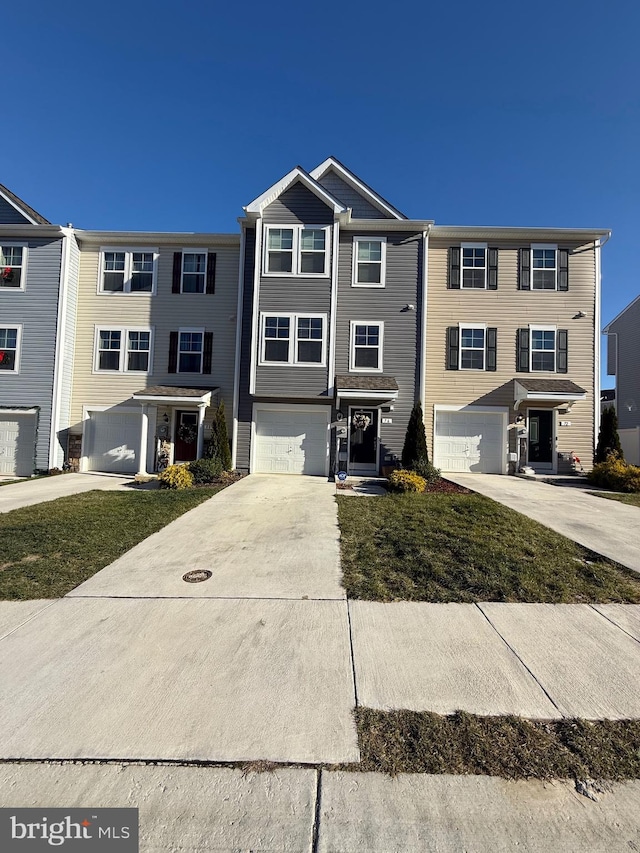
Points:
(297, 174)
(22, 207)
(332, 164)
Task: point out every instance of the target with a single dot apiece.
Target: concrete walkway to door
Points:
(606, 527)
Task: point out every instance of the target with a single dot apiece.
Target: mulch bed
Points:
(446, 487)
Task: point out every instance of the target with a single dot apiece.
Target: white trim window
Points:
(128, 270)
(10, 348)
(13, 262)
(542, 348)
(298, 339)
(366, 346)
(544, 266)
(120, 350)
(299, 250)
(472, 346)
(194, 271)
(369, 261)
(190, 350)
(474, 266)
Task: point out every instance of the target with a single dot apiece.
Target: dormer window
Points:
(298, 250)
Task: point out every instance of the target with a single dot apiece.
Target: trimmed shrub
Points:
(176, 477)
(615, 474)
(415, 440)
(608, 438)
(406, 481)
(427, 470)
(218, 446)
(205, 471)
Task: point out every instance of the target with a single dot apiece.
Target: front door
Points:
(363, 441)
(186, 437)
(541, 438)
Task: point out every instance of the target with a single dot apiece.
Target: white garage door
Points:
(112, 442)
(291, 442)
(469, 442)
(17, 444)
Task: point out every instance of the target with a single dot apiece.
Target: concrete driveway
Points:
(29, 492)
(606, 527)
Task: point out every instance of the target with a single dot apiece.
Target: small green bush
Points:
(205, 471)
(615, 474)
(176, 477)
(406, 481)
(426, 470)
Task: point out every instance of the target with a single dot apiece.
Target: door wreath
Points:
(360, 420)
(187, 433)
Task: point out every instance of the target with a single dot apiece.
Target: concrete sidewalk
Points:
(307, 810)
(606, 527)
(30, 492)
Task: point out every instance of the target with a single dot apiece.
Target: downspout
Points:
(597, 339)
(333, 308)
(423, 330)
(236, 375)
(58, 359)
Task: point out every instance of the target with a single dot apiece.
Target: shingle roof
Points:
(550, 386)
(173, 391)
(23, 206)
(366, 383)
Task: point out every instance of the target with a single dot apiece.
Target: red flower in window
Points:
(1, 356)
(7, 274)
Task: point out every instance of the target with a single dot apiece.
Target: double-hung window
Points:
(123, 350)
(128, 271)
(472, 347)
(366, 346)
(190, 350)
(544, 270)
(543, 349)
(296, 250)
(474, 266)
(293, 339)
(369, 261)
(194, 271)
(12, 265)
(9, 348)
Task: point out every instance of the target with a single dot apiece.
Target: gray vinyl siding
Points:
(628, 366)
(298, 205)
(10, 216)
(401, 342)
(361, 208)
(245, 401)
(36, 309)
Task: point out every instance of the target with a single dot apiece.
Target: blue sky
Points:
(165, 116)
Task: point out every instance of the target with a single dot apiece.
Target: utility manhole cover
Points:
(197, 575)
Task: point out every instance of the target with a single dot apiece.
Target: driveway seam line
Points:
(315, 835)
(531, 673)
(30, 619)
(615, 624)
(353, 659)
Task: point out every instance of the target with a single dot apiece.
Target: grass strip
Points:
(631, 500)
(47, 549)
(511, 747)
(467, 548)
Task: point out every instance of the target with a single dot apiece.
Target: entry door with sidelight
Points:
(186, 437)
(363, 441)
(541, 438)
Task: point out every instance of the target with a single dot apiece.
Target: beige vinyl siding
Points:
(165, 312)
(509, 309)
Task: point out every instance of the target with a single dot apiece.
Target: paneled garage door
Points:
(470, 442)
(112, 442)
(17, 443)
(291, 442)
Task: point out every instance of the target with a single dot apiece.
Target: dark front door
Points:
(363, 441)
(541, 437)
(186, 437)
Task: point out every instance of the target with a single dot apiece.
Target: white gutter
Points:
(423, 335)
(236, 375)
(257, 267)
(58, 359)
(597, 345)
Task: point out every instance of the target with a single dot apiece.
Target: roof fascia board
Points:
(332, 164)
(387, 225)
(616, 318)
(256, 207)
(16, 231)
(522, 233)
(171, 237)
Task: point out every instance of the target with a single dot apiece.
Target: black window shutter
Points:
(177, 273)
(492, 336)
(492, 269)
(563, 269)
(207, 352)
(522, 365)
(211, 272)
(173, 353)
(561, 351)
(454, 268)
(453, 336)
(524, 281)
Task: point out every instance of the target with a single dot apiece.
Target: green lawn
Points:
(467, 548)
(511, 747)
(632, 500)
(48, 549)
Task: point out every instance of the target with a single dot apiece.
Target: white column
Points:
(200, 444)
(144, 433)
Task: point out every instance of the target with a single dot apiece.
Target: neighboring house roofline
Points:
(17, 231)
(607, 328)
(333, 164)
(297, 174)
(22, 207)
(172, 237)
(458, 232)
(386, 225)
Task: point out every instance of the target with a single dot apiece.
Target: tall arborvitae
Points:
(415, 440)
(608, 439)
(221, 438)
